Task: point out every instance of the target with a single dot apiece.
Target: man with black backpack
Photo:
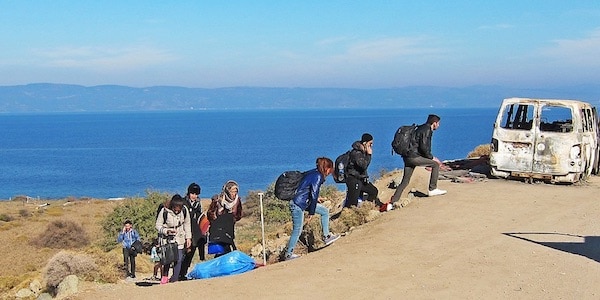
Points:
(357, 177)
(419, 154)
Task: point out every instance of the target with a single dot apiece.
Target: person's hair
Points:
(324, 163)
(193, 188)
(176, 200)
(127, 222)
(432, 119)
(167, 203)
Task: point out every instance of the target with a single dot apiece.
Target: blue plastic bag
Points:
(235, 262)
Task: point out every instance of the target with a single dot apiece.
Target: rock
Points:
(45, 296)
(24, 293)
(256, 251)
(67, 287)
(35, 286)
(273, 247)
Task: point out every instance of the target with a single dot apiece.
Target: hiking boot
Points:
(436, 192)
(330, 239)
(291, 256)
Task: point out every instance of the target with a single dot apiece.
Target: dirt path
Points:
(486, 240)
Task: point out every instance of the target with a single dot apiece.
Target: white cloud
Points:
(103, 58)
(333, 41)
(580, 52)
(351, 51)
(496, 27)
(389, 49)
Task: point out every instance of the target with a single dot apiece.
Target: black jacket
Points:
(359, 162)
(422, 146)
(195, 212)
(221, 229)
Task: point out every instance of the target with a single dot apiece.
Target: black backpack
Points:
(340, 167)
(287, 184)
(160, 207)
(404, 139)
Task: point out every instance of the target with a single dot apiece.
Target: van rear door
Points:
(515, 137)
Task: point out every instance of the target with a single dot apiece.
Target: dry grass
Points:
(31, 220)
(27, 221)
(481, 150)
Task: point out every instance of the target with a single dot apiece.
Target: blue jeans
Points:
(298, 222)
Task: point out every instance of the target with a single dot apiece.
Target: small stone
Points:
(24, 293)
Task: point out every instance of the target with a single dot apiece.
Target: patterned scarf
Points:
(227, 201)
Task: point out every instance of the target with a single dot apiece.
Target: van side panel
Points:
(555, 137)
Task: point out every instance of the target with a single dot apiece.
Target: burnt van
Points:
(545, 139)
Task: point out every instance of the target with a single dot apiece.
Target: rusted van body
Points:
(545, 139)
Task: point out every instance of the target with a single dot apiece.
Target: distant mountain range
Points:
(46, 97)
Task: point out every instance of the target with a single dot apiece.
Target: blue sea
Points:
(106, 155)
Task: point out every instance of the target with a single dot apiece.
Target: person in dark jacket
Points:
(357, 179)
(307, 199)
(225, 209)
(192, 202)
(420, 155)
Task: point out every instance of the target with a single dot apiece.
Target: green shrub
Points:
(5, 218)
(328, 191)
(141, 212)
(66, 263)
(62, 234)
(275, 210)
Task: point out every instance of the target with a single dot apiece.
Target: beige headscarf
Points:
(227, 201)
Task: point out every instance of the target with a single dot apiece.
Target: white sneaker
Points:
(330, 239)
(436, 192)
(292, 256)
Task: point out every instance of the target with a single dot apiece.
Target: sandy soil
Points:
(485, 240)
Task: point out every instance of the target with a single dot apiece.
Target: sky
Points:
(343, 44)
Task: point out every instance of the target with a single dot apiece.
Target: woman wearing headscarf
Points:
(224, 210)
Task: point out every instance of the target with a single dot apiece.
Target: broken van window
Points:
(517, 116)
(556, 119)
